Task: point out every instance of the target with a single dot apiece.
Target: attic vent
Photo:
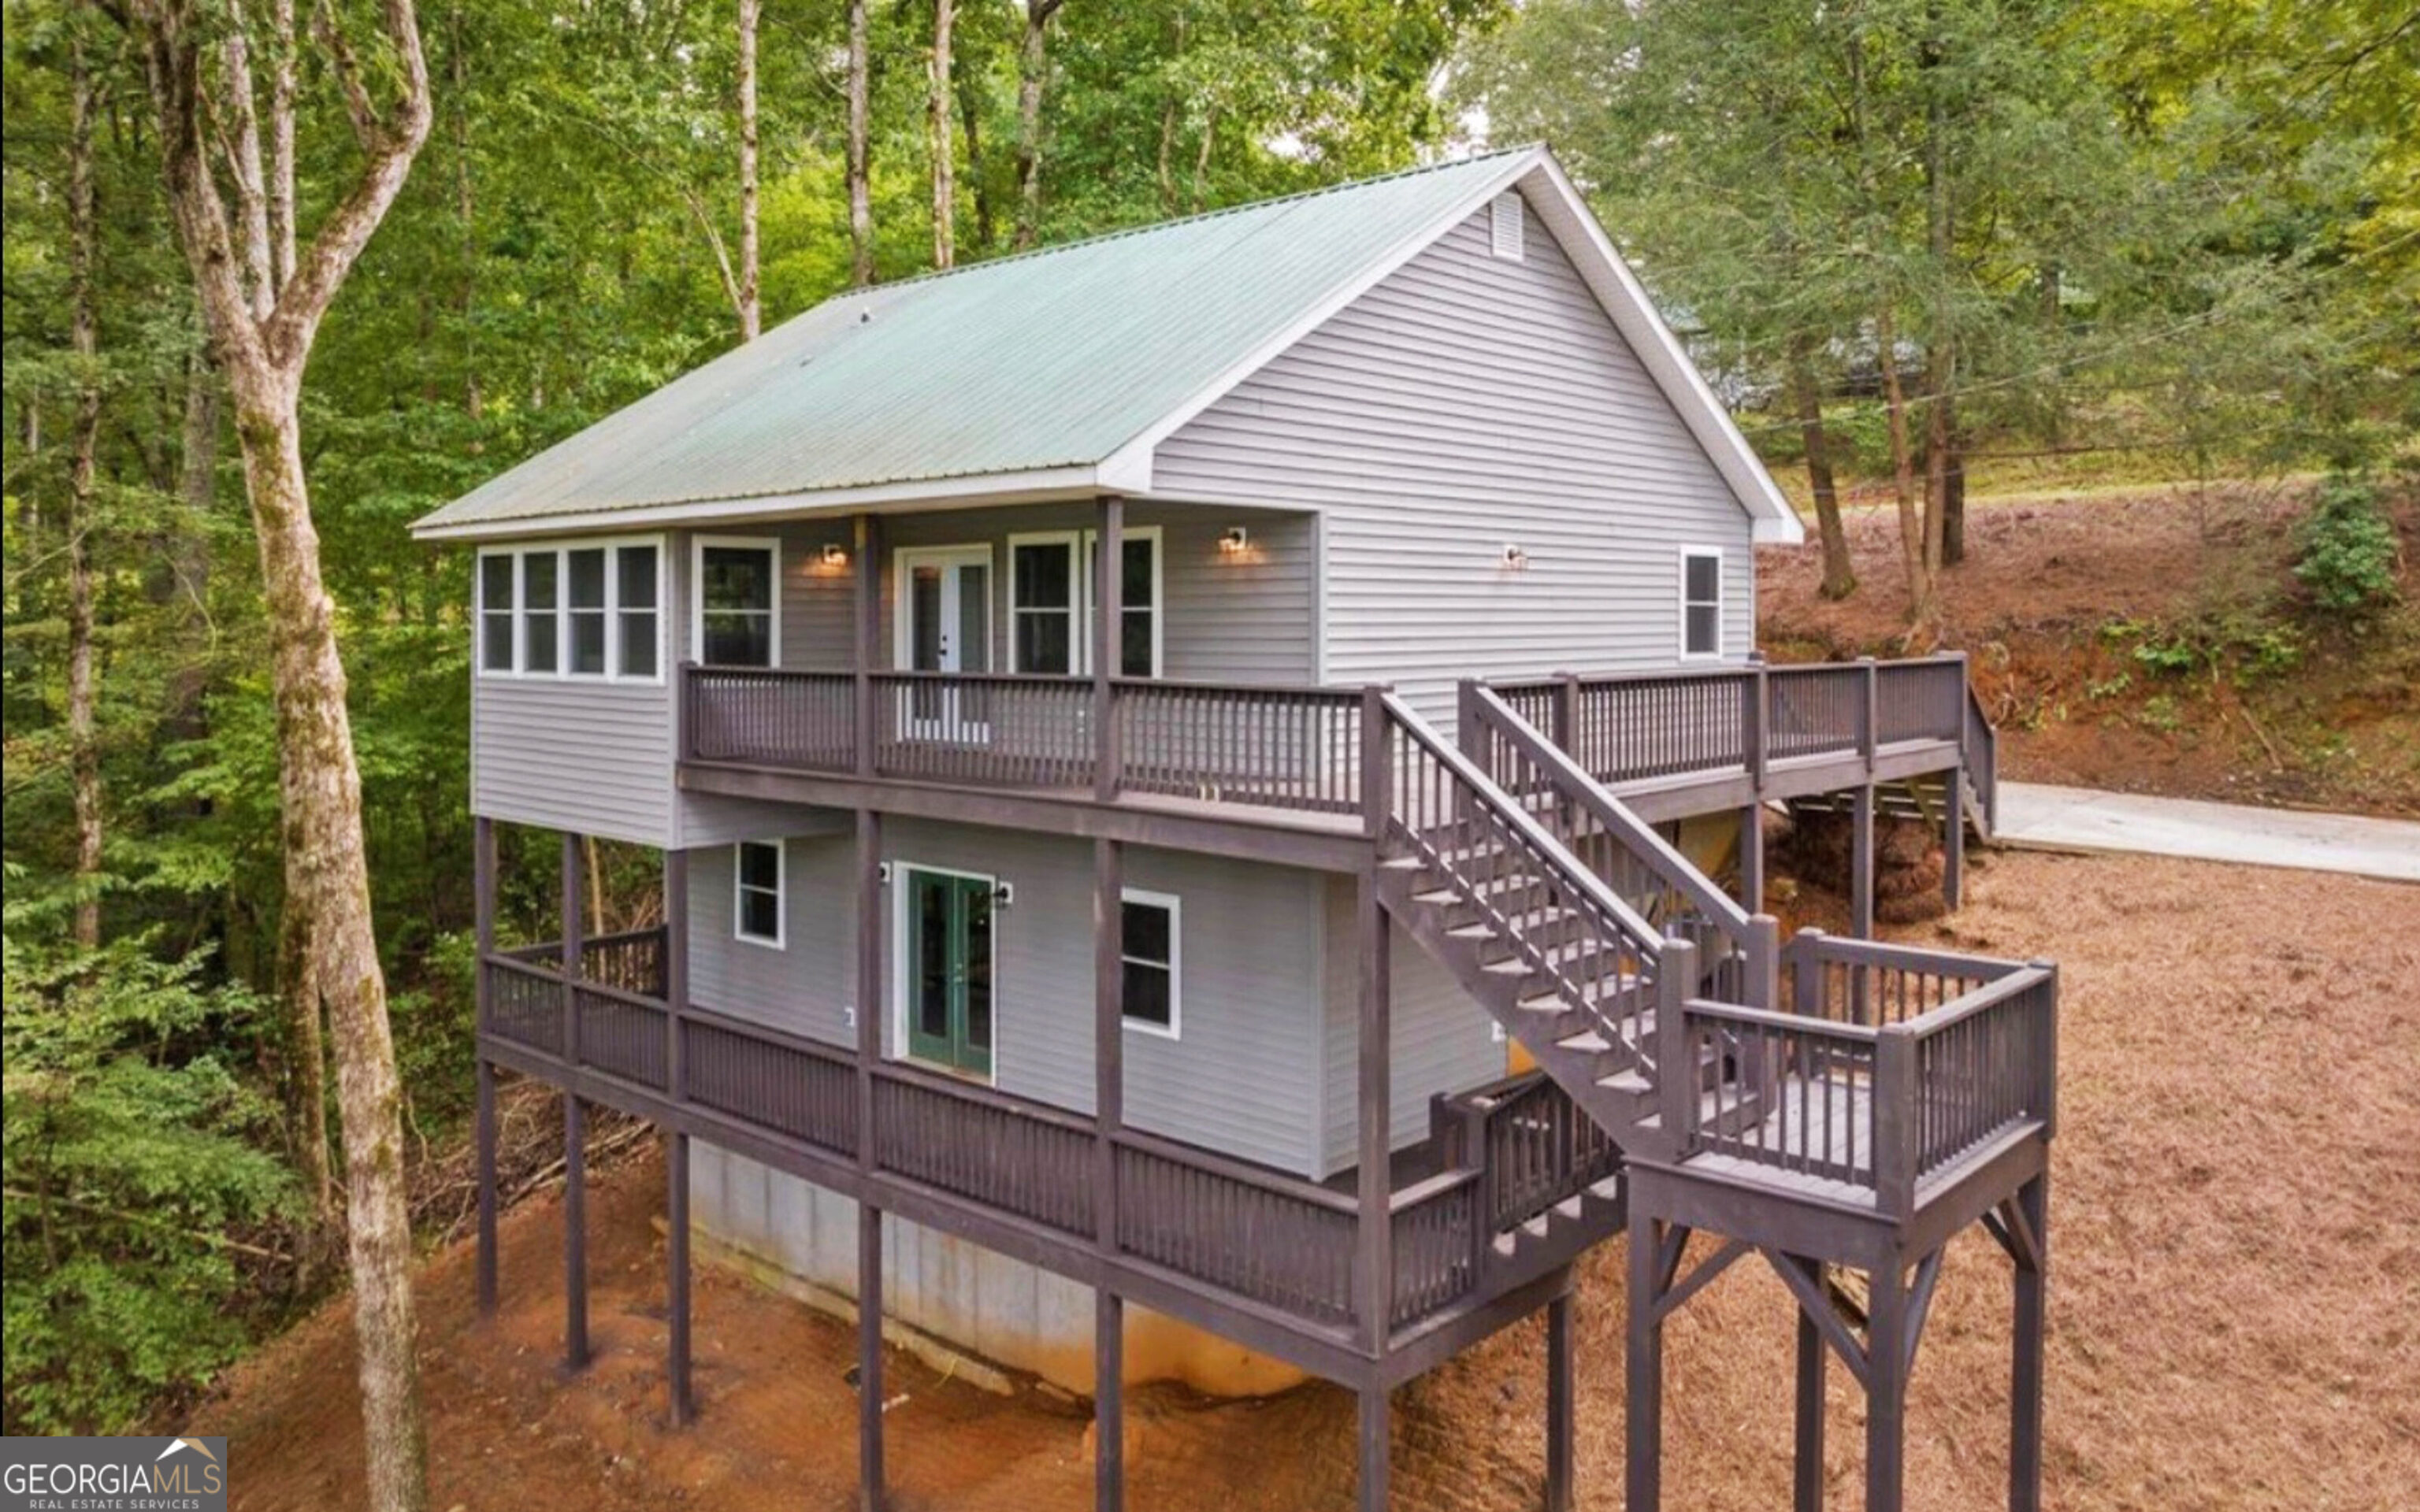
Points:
(1504, 225)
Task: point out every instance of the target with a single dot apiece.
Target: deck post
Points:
(1109, 1400)
(2025, 1374)
(1373, 1285)
(1806, 1474)
(483, 908)
(1886, 1356)
(1953, 840)
(1374, 1448)
(1378, 758)
(676, 1367)
(868, 633)
(1109, 624)
(575, 1234)
(1751, 865)
(1868, 721)
(1861, 864)
(1561, 1388)
(574, 948)
(676, 980)
(869, 1357)
(1757, 689)
(1643, 1371)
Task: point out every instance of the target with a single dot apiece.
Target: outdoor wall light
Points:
(1515, 560)
(1004, 894)
(834, 554)
(1234, 541)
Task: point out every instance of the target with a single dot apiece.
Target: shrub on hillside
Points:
(2346, 549)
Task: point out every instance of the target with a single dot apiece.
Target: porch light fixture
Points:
(1234, 541)
(834, 554)
(1004, 894)
(1515, 560)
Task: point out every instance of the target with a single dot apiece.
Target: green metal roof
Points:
(1049, 360)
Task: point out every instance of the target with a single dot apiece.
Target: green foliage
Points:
(2346, 551)
(133, 1156)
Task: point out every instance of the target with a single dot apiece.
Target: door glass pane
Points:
(929, 910)
(977, 1043)
(974, 617)
(925, 620)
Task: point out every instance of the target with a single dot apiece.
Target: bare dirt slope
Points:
(2146, 640)
(2237, 1260)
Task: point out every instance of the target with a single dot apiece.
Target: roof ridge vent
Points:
(1505, 225)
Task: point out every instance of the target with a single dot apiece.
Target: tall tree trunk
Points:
(1202, 159)
(1032, 75)
(941, 136)
(458, 65)
(280, 188)
(971, 114)
(1911, 517)
(327, 867)
(750, 318)
(1839, 574)
(861, 203)
(298, 982)
(1941, 358)
(83, 753)
(1953, 487)
(1169, 114)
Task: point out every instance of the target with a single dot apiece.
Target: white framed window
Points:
(757, 869)
(1152, 951)
(738, 589)
(1050, 602)
(588, 609)
(1701, 602)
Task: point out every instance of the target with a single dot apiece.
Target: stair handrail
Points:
(1571, 870)
(1633, 833)
(1981, 738)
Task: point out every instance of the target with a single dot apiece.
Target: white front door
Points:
(944, 625)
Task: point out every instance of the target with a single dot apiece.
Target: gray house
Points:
(1167, 753)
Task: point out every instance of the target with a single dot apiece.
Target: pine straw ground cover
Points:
(2235, 1308)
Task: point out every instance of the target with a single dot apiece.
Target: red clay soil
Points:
(2236, 1232)
(2058, 593)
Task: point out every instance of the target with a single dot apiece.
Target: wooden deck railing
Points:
(1270, 747)
(1878, 1091)
(1640, 727)
(1277, 1239)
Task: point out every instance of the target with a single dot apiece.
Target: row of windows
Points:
(1147, 925)
(573, 611)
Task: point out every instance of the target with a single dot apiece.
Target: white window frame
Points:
(613, 546)
(771, 546)
(1081, 546)
(1689, 554)
(1079, 597)
(739, 890)
(1174, 1029)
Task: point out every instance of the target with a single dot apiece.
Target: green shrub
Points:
(2346, 549)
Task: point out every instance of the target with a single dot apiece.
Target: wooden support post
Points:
(1868, 721)
(2025, 1373)
(575, 1234)
(1561, 1384)
(574, 948)
(1109, 1400)
(1759, 692)
(1806, 1475)
(1374, 1287)
(1861, 865)
(868, 633)
(483, 892)
(1643, 1371)
(1887, 1336)
(872, 1000)
(1377, 764)
(869, 1357)
(1953, 840)
(1751, 864)
(1373, 1449)
(675, 974)
(1108, 625)
(677, 1278)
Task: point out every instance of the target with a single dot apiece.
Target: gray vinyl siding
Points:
(582, 754)
(1462, 404)
(1440, 1041)
(1244, 1076)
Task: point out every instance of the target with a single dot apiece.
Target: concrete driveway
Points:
(2045, 817)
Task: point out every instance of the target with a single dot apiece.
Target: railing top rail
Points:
(1236, 1170)
(779, 1039)
(622, 936)
(904, 1074)
(1490, 1094)
(796, 673)
(526, 968)
(592, 988)
(1969, 1004)
(1532, 833)
(1431, 1188)
(1840, 948)
(1728, 673)
(1341, 692)
(1765, 1018)
(1634, 834)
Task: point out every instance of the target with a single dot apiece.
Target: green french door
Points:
(949, 975)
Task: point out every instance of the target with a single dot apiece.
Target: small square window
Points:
(1148, 950)
(737, 604)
